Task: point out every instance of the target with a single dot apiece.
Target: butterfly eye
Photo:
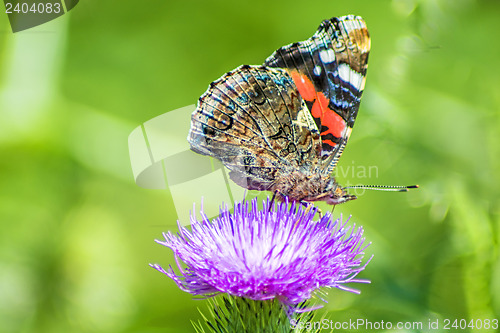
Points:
(338, 192)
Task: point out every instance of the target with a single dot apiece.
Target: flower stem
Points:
(229, 314)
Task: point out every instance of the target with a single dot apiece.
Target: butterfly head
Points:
(337, 196)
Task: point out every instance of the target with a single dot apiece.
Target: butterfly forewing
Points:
(329, 71)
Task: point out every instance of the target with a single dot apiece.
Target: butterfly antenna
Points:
(384, 187)
(272, 200)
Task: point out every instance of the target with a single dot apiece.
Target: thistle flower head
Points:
(276, 252)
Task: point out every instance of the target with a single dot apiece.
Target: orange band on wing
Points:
(330, 119)
(304, 86)
(329, 142)
(334, 123)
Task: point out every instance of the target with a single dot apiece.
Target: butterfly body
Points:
(308, 184)
(282, 126)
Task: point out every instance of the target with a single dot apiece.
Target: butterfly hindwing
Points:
(250, 119)
(329, 71)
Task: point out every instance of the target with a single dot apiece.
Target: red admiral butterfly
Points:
(283, 126)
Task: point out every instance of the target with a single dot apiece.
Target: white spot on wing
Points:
(327, 56)
(317, 70)
(349, 75)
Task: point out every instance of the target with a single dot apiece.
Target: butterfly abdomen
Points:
(302, 184)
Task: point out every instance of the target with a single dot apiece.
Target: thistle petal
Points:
(277, 252)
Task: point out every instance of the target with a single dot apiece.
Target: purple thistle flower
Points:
(263, 254)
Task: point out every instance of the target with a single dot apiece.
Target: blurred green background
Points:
(76, 233)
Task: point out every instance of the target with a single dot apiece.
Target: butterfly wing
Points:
(254, 120)
(329, 71)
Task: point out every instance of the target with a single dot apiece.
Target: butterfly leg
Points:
(272, 199)
(310, 205)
